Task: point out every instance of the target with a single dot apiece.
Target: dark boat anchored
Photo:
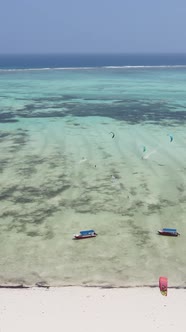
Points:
(168, 232)
(85, 235)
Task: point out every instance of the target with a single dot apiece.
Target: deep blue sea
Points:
(92, 142)
(31, 61)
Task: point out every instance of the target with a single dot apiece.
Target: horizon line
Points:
(92, 53)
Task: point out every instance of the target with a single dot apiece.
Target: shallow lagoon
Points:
(61, 172)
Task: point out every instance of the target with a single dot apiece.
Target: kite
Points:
(171, 137)
(112, 134)
(163, 283)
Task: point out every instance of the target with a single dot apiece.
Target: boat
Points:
(168, 232)
(85, 235)
(163, 285)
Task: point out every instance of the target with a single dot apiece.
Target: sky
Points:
(97, 26)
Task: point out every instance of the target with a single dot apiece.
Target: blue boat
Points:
(85, 234)
(168, 232)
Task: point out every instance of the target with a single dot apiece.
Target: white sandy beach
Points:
(92, 309)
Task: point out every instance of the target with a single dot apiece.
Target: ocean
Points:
(91, 141)
(51, 61)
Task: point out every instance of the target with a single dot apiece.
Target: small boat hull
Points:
(85, 235)
(82, 237)
(168, 233)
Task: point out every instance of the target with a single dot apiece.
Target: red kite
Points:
(163, 284)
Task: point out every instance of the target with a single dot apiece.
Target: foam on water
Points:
(92, 68)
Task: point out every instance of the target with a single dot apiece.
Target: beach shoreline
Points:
(92, 309)
(101, 149)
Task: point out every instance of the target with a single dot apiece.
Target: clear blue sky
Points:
(39, 26)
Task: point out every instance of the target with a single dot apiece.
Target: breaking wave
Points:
(90, 68)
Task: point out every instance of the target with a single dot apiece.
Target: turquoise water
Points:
(62, 172)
